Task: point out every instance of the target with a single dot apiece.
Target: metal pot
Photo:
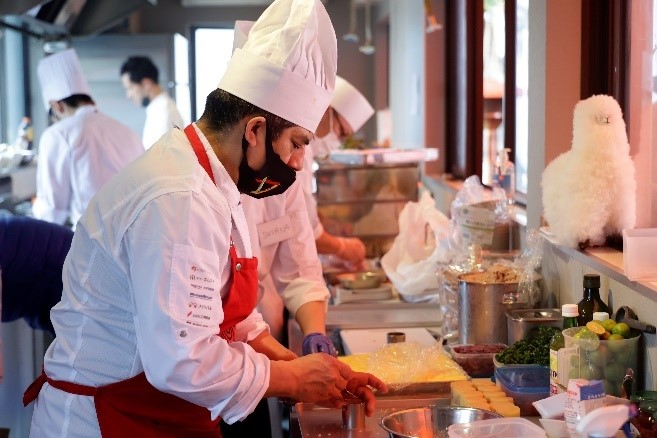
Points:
(430, 422)
(482, 311)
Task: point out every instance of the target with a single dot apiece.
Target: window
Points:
(211, 51)
(487, 98)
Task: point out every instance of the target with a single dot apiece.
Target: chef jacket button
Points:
(183, 333)
(238, 267)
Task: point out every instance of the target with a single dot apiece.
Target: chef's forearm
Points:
(266, 344)
(312, 317)
(328, 244)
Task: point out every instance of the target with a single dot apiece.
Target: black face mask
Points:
(274, 178)
(145, 101)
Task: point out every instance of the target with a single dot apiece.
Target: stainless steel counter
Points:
(317, 422)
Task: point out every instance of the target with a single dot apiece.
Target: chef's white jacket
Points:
(77, 156)
(161, 115)
(283, 241)
(128, 293)
(306, 179)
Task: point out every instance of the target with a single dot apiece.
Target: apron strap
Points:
(199, 150)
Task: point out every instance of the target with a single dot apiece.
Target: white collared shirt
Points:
(77, 156)
(151, 242)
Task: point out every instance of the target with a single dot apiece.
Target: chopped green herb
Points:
(532, 350)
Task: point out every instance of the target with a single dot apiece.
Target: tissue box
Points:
(639, 255)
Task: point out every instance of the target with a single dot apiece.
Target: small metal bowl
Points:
(430, 422)
(361, 280)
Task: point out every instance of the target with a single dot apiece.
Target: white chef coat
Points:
(305, 177)
(128, 292)
(161, 115)
(283, 241)
(77, 156)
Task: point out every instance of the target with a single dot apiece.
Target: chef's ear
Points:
(256, 131)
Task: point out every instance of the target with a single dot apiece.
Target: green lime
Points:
(621, 329)
(608, 324)
(616, 344)
(591, 372)
(599, 357)
(614, 372)
(588, 340)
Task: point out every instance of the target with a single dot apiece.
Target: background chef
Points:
(347, 113)
(140, 79)
(161, 261)
(82, 150)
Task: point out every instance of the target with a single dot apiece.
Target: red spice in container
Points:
(476, 359)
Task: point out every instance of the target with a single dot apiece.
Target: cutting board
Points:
(360, 341)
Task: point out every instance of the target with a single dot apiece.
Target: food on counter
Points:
(476, 359)
(407, 363)
(505, 409)
(488, 398)
(495, 274)
(533, 350)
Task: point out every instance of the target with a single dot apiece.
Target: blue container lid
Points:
(530, 379)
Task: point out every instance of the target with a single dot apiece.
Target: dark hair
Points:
(140, 67)
(76, 100)
(223, 110)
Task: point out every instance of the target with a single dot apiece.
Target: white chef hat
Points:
(351, 104)
(241, 33)
(60, 75)
(287, 65)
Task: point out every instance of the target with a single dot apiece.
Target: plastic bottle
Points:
(600, 316)
(504, 174)
(570, 313)
(25, 134)
(591, 302)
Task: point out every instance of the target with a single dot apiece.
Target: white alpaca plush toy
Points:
(589, 192)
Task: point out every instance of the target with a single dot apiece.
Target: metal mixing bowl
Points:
(361, 280)
(430, 422)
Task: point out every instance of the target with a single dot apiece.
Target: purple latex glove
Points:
(318, 343)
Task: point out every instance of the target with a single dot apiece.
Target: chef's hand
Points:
(359, 385)
(321, 379)
(351, 249)
(318, 343)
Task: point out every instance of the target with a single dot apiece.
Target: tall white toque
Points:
(288, 64)
(60, 75)
(241, 33)
(351, 104)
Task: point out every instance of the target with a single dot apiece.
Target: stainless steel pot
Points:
(482, 311)
(430, 422)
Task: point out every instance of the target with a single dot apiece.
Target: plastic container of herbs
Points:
(533, 350)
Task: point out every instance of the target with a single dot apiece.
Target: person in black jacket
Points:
(32, 254)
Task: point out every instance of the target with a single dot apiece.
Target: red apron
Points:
(134, 407)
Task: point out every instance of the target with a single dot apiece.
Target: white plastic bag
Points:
(421, 245)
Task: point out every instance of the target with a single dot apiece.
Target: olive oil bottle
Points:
(591, 302)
